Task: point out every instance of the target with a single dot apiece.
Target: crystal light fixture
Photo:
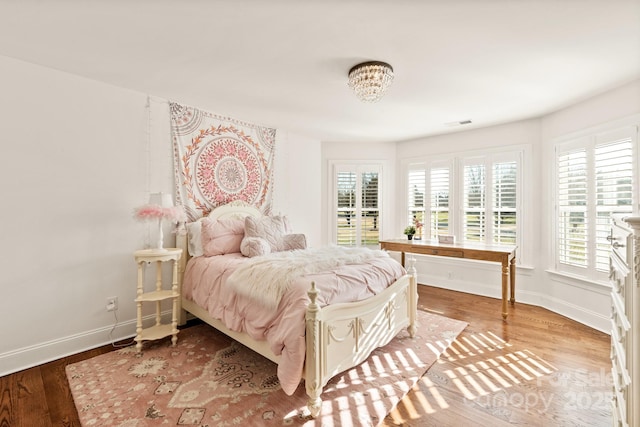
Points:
(370, 80)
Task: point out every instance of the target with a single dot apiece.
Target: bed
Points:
(332, 336)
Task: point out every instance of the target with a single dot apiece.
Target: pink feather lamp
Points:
(160, 207)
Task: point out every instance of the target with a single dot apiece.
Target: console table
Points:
(506, 255)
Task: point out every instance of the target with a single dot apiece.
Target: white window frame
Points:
(589, 139)
(359, 168)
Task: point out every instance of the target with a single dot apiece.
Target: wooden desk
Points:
(506, 255)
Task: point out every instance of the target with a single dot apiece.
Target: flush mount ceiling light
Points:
(370, 80)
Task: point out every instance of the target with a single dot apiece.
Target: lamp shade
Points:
(161, 199)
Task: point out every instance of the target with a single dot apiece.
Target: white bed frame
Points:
(339, 336)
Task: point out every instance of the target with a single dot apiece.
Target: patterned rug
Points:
(208, 380)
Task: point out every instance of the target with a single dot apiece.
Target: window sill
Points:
(579, 281)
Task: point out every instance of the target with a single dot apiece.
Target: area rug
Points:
(208, 380)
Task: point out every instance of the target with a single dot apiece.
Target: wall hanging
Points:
(218, 160)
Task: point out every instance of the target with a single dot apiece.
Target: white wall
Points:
(78, 157)
(73, 169)
(610, 106)
(298, 184)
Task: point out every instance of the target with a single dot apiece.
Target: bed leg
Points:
(181, 242)
(182, 317)
(314, 356)
(412, 297)
(314, 404)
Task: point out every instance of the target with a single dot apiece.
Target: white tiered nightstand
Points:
(159, 330)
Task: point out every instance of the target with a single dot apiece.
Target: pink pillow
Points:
(222, 236)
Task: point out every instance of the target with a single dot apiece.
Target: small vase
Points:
(410, 236)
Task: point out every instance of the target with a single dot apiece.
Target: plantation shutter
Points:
(346, 208)
(504, 186)
(439, 211)
(572, 208)
(416, 190)
(370, 231)
(614, 191)
(474, 224)
(357, 205)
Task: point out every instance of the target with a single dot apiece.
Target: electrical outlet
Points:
(112, 303)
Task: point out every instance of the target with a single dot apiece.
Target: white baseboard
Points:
(581, 315)
(28, 357)
(565, 308)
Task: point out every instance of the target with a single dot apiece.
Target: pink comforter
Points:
(284, 329)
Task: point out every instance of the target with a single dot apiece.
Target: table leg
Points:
(505, 287)
(512, 274)
(138, 338)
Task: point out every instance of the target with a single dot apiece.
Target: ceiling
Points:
(284, 63)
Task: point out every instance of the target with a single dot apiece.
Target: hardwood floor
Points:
(537, 369)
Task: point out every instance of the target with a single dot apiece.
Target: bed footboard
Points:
(341, 336)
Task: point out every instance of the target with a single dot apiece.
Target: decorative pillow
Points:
(287, 224)
(294, 241)
(269, 228)
(222, 236)
(254, 246)
(194, 232)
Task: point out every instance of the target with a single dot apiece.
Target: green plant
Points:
(410, 229)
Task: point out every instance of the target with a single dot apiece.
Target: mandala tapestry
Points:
(218, 160)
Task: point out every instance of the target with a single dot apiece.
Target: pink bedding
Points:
(284, 329)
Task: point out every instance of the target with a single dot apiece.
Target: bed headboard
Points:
(234, 210)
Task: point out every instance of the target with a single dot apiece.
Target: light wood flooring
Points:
(536, 369)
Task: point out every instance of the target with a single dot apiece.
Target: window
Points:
(416, 193)
(504, 186)
(486, 190)
(572, 205)
(434, 215)
(474, 219)
(490, 199)
(439, 205)
(357, 209)
(594, 179)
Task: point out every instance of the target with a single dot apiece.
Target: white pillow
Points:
(194, 234)
(269, 228)
(254, 246)
(269, 234)
(292, 242)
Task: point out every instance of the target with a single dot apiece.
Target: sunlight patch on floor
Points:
(489, 370)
